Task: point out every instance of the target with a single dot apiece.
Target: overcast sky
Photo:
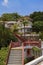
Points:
(23, 7)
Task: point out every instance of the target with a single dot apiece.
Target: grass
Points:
(3, 55)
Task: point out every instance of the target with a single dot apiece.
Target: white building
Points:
(28, 28)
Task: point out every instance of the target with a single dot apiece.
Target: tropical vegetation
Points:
(3, 55)
(6, 35)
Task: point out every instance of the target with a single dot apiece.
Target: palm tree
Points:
(24, 23)
(4, 19)
(14, 28)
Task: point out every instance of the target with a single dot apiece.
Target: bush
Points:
(41, 35)
(3, 55)
(28, 59)
(6, 36)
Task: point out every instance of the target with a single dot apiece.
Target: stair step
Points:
(15, 50)
(15, 57)
(14, 64)
(16, 54)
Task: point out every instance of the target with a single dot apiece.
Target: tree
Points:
(25, 22)
(14, 28)
(16, 16)
(41, 35)
(0, 18)
(37, 16)
(37, 26)
(10, 16)
(6, 36)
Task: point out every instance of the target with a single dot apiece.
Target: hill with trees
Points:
(10, 16)
(37, 26)
(13, 17)
(37, 16)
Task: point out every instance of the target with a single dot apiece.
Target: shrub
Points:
(28, 59)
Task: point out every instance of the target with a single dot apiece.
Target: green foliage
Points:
(36, 51)
(0, 18)
(14, 28)
(28, 59)
(41, 35)
(37, 16)
(10, 17)
(25, 22)
(3, 55)
(25, 61)
(5, 36)
(35, 48)
(37, 26)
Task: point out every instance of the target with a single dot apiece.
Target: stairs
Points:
(15, 57)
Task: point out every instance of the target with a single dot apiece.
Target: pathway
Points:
(15, 57)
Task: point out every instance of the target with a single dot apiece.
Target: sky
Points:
(22, 7)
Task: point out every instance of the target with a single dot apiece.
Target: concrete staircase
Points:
(15, 57)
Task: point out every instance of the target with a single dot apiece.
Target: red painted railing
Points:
(32, 43)
(22, 54)
(15, 44)
(29, 42)
(20, 38)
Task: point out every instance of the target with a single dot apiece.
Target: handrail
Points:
(10, 46)
(22, 39)
(15, 44)
(8, 54)
(22, 54)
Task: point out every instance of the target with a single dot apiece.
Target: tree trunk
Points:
(24, 31)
